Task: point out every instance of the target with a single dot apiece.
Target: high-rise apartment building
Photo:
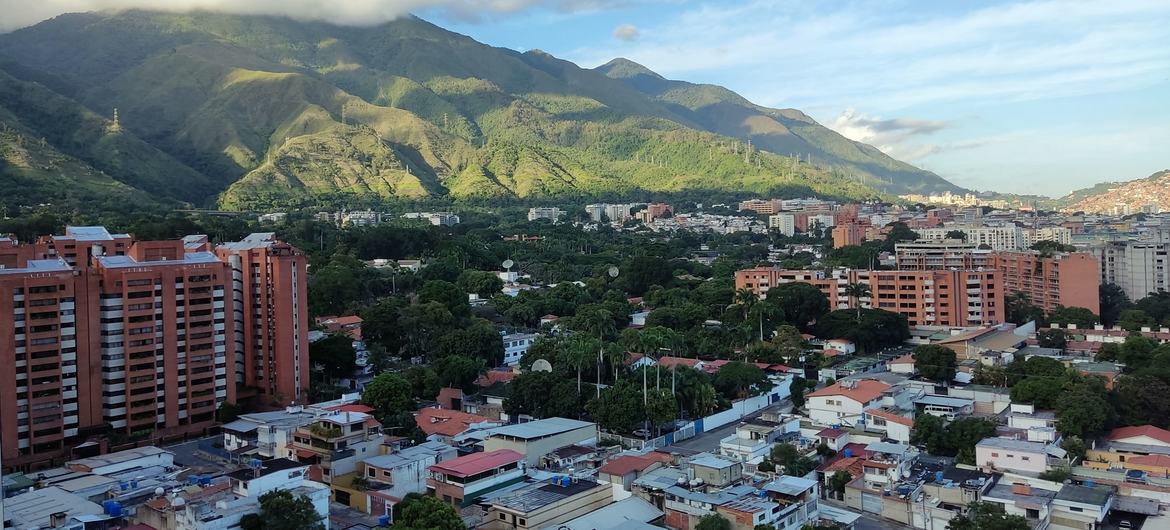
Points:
(851, 233)
(1138, 267)
(940, 254)
(112, 336)
(1061, 279)
(782, 222)
(927, 298)
(761, 206)
(993, 237)
(271, 316)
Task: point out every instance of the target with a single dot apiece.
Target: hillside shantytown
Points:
(334, 266)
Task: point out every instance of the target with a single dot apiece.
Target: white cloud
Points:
(20, 13)
(897, 137)
(626, 32)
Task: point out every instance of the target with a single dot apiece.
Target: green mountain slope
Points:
(783, 131)
(252, 111)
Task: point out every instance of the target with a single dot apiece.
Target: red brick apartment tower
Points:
(271, 316)
(164, 332)
(1068, 279)
(47, 385)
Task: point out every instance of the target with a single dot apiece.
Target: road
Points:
(870, 521)
(709, 441)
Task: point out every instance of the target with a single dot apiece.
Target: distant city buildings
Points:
(551, 213)
(435, 218)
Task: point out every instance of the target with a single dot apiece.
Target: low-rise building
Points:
(460, 481)
(535, 439)
(843, 402)
(335, 443)
(753, 439)
(544, 504)
(716, 472)
(397, 474)
(516, 345)
(1142, 449)
(1017, 456)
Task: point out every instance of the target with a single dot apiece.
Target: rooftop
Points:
(626, 464)
(1097, 495)
(33, 509)
(862, 391)
(266, 467)
(252, 241)
(1121, 433)
(191, 258)
(89, 233)
(446, 422)
(541, 494)
(540, 428)
(712, 461)
(477, 462)
(616, 516)
(789, 485)
(1015, 445)
(944, 401)
(410, 455)
(119, 457)
(39, 265)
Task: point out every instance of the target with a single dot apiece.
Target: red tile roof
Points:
(1150, 460)
(830, 433)
(863, 391)
(890, 416)
(1121, 433)
(477, 462)
(905, 359)
(495, 376)
(626, 464)
(668, 361)
(445, 422)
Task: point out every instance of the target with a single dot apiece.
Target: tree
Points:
(335, 355)
(661, 407)
(838, 481)
(802, 303)
(481, 283)
(478, 339)
(227, 412)
(987, 516)
(1136, 352)
(459, 371)
(1049, 247)
(1043, 392)
(1083, 318)
(1157, 305)
(935, 362)
(796, 392)
(1052, 338)
(451, 296)
(1141, 399)
(929, 432)
(956, 234)
(898, 233)
(419, 512)
(542, 395)
(1019, 309)
(281, 510)
(422, 326)
(1113, 302)
(620, 408)
(857, 291)
(424, 382)
(963, 434)
(1135, 320)
(639, 273)
(1083, 412)
(381, 325)
(713, 521)
(874, 330)
(739, 380)
(389, 395)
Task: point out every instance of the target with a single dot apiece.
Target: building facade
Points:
(1139, 268)
(941, 297)
(1064, 279)
(111, 336)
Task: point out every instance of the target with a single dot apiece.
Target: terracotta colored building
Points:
(109, 335)
(942, 298)
(851, 233)
(762, 207)
(1067, 279)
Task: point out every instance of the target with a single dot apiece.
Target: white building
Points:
(1139, 268)
(1040, 425)
(1058, 234)
(552, 213)
(843, 402)
(753, 439)
(824, 221)
(1019, 456)
(785, 223)
(435, 218)
(997, 237)
(224, 510)
(516, 345)
(405, 471)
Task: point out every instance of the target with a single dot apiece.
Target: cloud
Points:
(626, 32)
(895, 136)
(21, 13)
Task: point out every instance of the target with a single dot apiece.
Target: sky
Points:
(1038, 97)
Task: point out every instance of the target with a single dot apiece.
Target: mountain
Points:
(256, 111)
(1135, 195)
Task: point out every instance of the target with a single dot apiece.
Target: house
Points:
(844, 346)
(798, 498)
(1021, 498)
(570, 458)
(636, 360)
(843, 402)
(450, 398)
(1082, 506)
(335, 443)
(1018, 456)
(107, 464)
(1034, 425)
(395, 475)
(1141, 450)
(350, 326)
(667, 361)
(715, 472)
(638, 318)
(516, 345)
(460, 481)
(835, 439)
(216, 507)
(550, 320)
(545, 504)
(889, 423)
(902, 365)
(535, 439)
(622, 471)
(753, 439)
(444, 425)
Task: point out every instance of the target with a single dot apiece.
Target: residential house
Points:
(622, 471)
(460, 481)
(1141, 450)
(224, 508)
(336, 443)
(546, 503)
(889, 423)
(1021, 498)
(1034, 425)
(753, 439)
(392, 476)
(1082, 506)
(516, 345)
(843, 402)
(1017, 456)
(715, 472)
(627, 514)
(444, 425)
(902, 365)
(535, 439)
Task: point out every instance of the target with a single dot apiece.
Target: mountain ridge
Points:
(1135, 195)
(253, 111)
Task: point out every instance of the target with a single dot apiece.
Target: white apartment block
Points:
(554, 214)
(785, 223)
(1139, 268)
(996, 237)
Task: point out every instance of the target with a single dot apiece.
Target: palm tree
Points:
(857, 291)
(746, 300)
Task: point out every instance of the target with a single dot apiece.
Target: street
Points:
(870, 521)
(709, 441)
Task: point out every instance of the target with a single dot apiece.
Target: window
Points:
(503, 517)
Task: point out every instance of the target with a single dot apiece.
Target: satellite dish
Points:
(508, 264)
(541, 365)
(613, 272)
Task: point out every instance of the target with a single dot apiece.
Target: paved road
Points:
(709, 441)
(870, 521)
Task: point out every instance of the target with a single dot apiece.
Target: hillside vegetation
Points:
(256, 112)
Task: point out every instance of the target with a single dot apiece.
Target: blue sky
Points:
(1026, 97)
